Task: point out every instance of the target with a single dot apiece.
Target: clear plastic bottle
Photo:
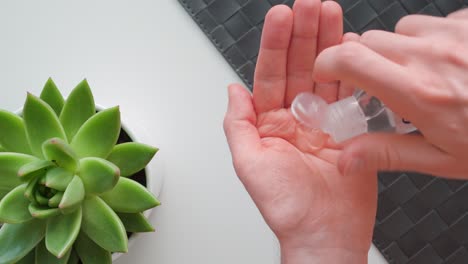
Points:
(349, 117)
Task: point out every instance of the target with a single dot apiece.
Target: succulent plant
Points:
(66, 192)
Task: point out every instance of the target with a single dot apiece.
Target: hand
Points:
(318, 215)
(421, 73)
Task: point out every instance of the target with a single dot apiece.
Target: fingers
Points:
(350, 36)
(390, 152)
(428, 26)
(270, 72)
(303, 48)
(329, 34)
(415, 25)
(239, 123)
(346, 89)
(330, 26)
(459, 15)
(397, 48)
(361, 67)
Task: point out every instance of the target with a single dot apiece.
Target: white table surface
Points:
(149, 57)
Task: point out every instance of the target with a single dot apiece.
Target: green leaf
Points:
(42, 179)
(128, 196)
(135, 222)
(40, 199)
(74, 194)
(78, 108)
(2, 149)
(103, 226)
(41, 124)
(14, 207)
(62, 231)
(30, 191)
(70, 209)
(43, 256)
(58, 151)
(73, 257)
(131, 157)
(34, 169)
(98, 175)
(3, 192)
(52, 96)
(17, 240)
(42, 212)
(9, 166)
(89, 252)
(29, 258)
(98, 135)
(56, 199)
(13, 133)
(58, 179)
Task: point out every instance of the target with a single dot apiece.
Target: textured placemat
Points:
(420, 219)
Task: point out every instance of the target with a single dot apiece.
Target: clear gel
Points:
(349, 117)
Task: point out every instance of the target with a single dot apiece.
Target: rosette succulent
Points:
(66, 192)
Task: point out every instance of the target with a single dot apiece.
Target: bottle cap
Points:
(342, 120)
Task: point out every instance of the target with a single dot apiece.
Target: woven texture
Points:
(420, 219)
(235, 26)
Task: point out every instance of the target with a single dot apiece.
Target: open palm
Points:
(290, 171)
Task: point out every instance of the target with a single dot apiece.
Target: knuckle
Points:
(405, 24)
(369, 36)
(453, 128)
(441, 97)
(428, 92)
(268, 76)
(437, 88)
(453, 53)
(421, 89)
(349, 54)
(390, 158)
(445, 96)
(351, 36)
(444, 51)
(463, 14)
(401, 25)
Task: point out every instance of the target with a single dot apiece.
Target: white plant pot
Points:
(154, 170)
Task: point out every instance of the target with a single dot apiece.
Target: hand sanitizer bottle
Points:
(349, 117)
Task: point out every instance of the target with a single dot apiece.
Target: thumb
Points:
(240, 123)
(392, 152)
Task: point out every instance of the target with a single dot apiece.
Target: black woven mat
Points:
(420, 219)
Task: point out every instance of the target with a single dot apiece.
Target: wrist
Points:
(301, 252)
